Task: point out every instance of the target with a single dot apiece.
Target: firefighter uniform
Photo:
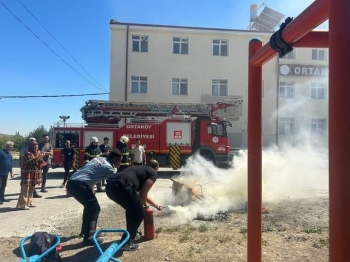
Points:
(91, 152)
(123, 147)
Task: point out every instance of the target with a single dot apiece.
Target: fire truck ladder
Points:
(101, 110)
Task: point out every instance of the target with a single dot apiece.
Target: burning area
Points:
(203, 191)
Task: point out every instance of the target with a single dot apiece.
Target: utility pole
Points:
(64, 118)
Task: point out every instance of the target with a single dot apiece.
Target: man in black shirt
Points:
(68, 159)
(105, 147)
(105, 152)
(130, 189)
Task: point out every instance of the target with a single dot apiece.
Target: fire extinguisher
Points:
(148, 223)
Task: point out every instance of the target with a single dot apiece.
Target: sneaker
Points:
(37, 196)
(4, 200)
(62, 186)
(138, 235)
(131, 247)
(43, 190)
(89, 242)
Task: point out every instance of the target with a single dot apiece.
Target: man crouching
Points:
(80, 186)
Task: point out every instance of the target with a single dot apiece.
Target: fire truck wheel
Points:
(208, 156)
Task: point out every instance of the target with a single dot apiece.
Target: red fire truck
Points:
(160, 126)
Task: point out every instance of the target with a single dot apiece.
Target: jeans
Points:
(3, 183)
(83, 194)
(67, 167)
(130, 200)
(99, 185)
(44, 176)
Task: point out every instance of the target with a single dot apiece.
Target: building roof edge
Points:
(114, 22)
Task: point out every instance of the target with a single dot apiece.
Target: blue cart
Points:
(113, 248)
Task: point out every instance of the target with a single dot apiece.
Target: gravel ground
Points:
(294, 229)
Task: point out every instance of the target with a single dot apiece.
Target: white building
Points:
(155, 63)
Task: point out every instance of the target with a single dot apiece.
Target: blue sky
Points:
(28, 67)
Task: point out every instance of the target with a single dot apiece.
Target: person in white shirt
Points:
(138, 154)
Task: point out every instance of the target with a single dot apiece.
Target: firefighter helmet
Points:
(94, 139)
(124, 139)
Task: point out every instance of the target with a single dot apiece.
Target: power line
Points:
(50, 47)
(43, 96)
(59, 43)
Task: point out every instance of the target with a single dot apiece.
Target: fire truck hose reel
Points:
(277, 43)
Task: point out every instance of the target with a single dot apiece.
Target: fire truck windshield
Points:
(217, 129)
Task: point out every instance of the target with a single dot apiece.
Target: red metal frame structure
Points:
(298, 34)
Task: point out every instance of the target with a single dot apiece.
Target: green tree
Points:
(37, 133)
(20, 140)
(3, 140)
(17, 139)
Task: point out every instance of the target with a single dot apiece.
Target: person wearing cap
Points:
(80, 186)
(24, 149)
(123, 147)
(130, 190)
(92, 151)
(22, 153)
(5, 169)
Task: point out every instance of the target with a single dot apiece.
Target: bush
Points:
(20, 140)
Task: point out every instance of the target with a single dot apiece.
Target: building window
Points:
(139, 84)
(287, 90)
(179, 86)
(286, 126)
(290, 55)
(140, 43)
(219, 87)
(318, 54)
(180, 45)
(318, 90)
(318, 126)
(220, 47)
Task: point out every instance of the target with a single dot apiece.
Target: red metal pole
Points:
(339, 131)
(313, 16)
(254, 156)
(315, 39)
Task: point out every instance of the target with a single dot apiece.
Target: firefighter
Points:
(91, 152)
(122, 146)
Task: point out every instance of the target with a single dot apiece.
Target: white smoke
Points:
(289, 172)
